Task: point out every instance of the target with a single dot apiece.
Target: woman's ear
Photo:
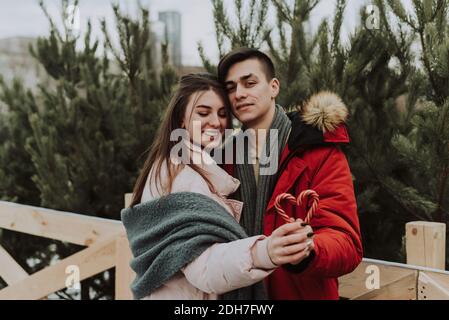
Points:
(274, 87)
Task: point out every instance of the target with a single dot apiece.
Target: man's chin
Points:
(245, 118)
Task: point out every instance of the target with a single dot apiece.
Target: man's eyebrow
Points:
(242, 78)
(247, 76)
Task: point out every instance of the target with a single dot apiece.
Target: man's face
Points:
(249, 91)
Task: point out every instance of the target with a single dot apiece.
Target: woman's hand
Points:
(290, 243)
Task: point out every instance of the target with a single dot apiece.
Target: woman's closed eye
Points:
(222, 113)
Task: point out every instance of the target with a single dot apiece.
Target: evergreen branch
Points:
(442, 185)
(283, 38)
(441, 7)
(222, 25)
(399, 11)
(238, 9)
(273, 52)
(338, 21)
(108, 44)
(283, 10)
(206, 62)
(414, 200)
(50, 20)
(426, 60)
(260, 30)
(310, 5)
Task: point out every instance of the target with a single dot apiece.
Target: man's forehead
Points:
(244, 69)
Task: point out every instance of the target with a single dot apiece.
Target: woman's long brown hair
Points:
(174, 115)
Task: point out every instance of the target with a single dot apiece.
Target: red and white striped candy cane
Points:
(278, 206)
(302, 199)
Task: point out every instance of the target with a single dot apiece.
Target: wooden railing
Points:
(107, 247)
(423, 277)
(396, 282)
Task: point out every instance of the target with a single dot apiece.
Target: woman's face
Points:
(206, 118)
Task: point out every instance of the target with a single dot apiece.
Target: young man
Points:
(308, 157)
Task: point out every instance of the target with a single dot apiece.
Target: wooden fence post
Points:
(124, 275)
(426, 244)
(128, 198)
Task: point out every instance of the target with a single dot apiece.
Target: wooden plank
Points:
(440, 277)
(124, 275)
(10, 270)
(58, 225)
(433, 286)
(426, 244)
(403, 288)
(355, 283)
(128, 199)
(90, 261)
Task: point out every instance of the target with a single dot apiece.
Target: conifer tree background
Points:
(77, 145)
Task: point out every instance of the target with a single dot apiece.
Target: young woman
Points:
(200, 103)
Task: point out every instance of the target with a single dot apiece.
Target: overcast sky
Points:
(25, 18)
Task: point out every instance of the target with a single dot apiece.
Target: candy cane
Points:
(302, 199)
(277, 205)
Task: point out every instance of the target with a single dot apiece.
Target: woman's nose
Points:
(214, 121)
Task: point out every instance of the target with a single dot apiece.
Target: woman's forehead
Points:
(208, 98)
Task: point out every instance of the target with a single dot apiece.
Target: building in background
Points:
(157, 29)
(172, 21)
(16, 61)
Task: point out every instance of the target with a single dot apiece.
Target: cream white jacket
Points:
(222, 267)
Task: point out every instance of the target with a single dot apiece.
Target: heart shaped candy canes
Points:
(302, 198)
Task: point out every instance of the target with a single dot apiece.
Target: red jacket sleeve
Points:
(338, 246)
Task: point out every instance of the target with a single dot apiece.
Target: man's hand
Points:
(290, 243)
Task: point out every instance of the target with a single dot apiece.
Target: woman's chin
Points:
(209, 144)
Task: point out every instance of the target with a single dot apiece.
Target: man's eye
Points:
(230, 89)
(251, 83)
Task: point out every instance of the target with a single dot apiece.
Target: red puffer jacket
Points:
(313, 159)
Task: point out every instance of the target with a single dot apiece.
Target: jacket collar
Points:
(223, 183)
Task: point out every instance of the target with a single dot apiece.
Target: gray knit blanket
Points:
(168, 233)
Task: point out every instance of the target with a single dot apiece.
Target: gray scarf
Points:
(255, 196)
(168, 233)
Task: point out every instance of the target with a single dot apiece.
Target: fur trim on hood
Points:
(324, 111)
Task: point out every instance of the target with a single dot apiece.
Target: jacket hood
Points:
(320, 121)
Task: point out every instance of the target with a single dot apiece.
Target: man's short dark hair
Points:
(242, 54)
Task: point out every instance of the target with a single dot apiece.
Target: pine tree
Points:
(15, 169)
(424, 149)
(248, 29)
(93, 124)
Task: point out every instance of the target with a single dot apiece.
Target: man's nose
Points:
(240, 92)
